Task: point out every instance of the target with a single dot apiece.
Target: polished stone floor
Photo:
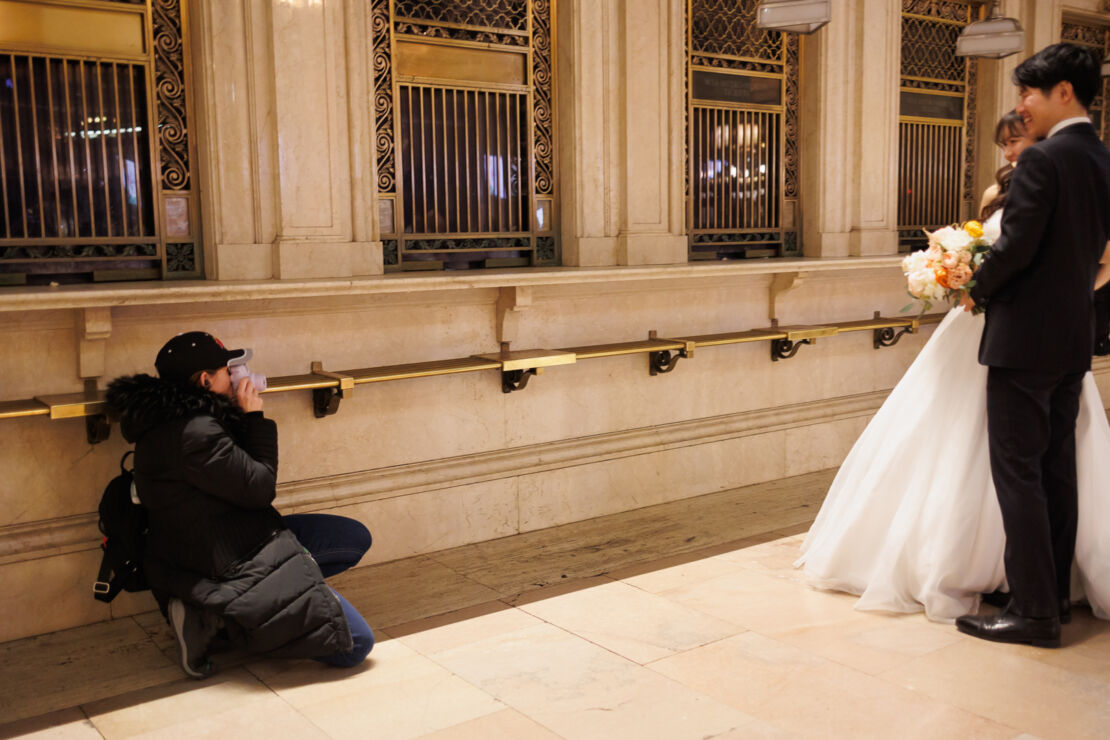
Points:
(684, 620)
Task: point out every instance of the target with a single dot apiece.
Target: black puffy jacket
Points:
(207, 475)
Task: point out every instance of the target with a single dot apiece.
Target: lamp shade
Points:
(793, 16)
(994, 38)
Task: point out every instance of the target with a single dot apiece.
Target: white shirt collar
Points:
(1068, 122)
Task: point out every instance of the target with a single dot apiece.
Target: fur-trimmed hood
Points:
(143, 402)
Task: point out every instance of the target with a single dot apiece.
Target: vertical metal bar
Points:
(104, 147)
(745, 135)
(19, 144)
(718, 156)
(759, 145)
(88, 150)
(35, 132)
(135, 148)
(736, 190)
(423, 164)
(435, 161)
(500, 160)
(458, 184)
(466, 144)
(4, 176)
(489, 195)
(512, 148)
(119, 154)
(412, 164)
(72, 158)
(53, 149)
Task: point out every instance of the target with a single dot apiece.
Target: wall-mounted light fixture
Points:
(793, 16)
(994, 38)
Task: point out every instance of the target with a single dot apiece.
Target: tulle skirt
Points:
(912, 522)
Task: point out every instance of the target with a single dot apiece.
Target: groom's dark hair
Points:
(1054, 64)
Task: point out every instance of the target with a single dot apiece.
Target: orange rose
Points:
(942, 277)
(974, 229)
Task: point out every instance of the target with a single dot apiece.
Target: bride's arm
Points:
(988, 195)
(1103, 276)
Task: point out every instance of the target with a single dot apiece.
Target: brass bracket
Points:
(97, 428)
(665, 360)
(517, 380)
(325, 401)
(888, 337)
(784, 349)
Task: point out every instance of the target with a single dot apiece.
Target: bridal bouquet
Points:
(945, 271)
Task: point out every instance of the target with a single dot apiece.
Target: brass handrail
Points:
(663, 352)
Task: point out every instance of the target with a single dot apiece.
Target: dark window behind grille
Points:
(76, 153)
(464, 155)
(737, 156)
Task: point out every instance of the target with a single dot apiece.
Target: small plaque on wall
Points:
(736, 88)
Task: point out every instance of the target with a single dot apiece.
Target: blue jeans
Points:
(337, 543)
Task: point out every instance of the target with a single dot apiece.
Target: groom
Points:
(1037, 287)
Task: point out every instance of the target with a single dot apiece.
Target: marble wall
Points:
(294, 258)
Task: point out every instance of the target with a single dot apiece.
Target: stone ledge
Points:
(37, 298)
(51, 537)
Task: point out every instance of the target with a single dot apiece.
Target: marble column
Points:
(284, 123)
(588, 103)
(653, 103)
(622, 130)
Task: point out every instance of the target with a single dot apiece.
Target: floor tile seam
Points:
(89, 719)
(503, 701)
(247, 667)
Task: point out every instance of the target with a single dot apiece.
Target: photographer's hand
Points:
(246, 395)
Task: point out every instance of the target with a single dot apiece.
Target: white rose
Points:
(956, 240)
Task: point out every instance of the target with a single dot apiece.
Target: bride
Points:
(911, 521)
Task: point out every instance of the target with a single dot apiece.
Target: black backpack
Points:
(123, 524)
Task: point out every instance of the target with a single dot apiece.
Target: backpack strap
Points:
(106, 588)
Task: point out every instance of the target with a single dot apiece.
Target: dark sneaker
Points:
(193, 635)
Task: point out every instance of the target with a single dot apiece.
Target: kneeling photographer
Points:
(224, 565)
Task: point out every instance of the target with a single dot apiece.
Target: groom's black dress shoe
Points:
(1001, 599)
(1008, 627)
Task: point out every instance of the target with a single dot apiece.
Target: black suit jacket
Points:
(1037, 282)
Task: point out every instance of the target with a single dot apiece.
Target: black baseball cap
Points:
(194, 351)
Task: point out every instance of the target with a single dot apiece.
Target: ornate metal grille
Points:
(1097, 37)
(92, 188)
(742, 133)
(463, 96)
(937, 121)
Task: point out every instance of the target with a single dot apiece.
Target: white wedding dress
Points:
(911, 521)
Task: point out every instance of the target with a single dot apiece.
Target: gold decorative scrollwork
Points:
(383, 94)
(790, 189)
(728, 27)
(948, 10)
(929, 50)
(971, 122)
(507, 14)
(541, 97)
(169, 82)
(410, 28)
